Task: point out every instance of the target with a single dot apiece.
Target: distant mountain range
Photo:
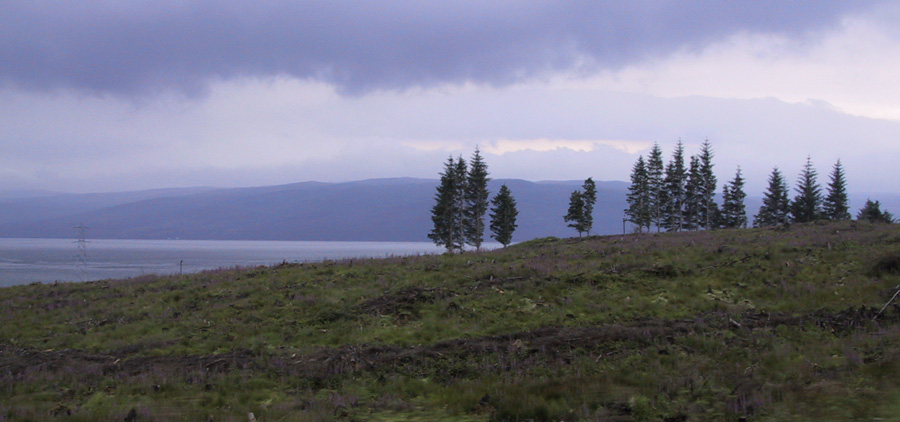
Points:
(368, 210)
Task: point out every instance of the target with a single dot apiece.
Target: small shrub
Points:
(887, 265)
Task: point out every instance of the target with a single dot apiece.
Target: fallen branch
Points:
(727, 263)
(888, 303)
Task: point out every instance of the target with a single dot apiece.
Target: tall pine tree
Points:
(674, 187)
(460, 173)
(807, 205)
(708, 211)
(476, 200)
(447, 213)
(693, 197)
(776, 206)
(503, 216)
(734, 213)
(639, 202)
(723, 212)
(836, 206)
(589, 195)
(655, 173)
(575, 215)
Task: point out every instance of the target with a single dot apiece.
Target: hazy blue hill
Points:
(396, 209)
(18, 207)
(372, 210)
(25, 193)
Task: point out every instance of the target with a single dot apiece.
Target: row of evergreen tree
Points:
(461, 202)
(809, 204)
(669, 196)
(676, 197)
(673, 197)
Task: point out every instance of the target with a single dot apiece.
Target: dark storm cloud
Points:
(129, 47)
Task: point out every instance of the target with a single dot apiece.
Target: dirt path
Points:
(554, 346)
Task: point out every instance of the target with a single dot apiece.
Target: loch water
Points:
(24, 261)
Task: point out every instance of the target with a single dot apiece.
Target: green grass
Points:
(757, 324)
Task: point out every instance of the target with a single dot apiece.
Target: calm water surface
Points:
(24, 261)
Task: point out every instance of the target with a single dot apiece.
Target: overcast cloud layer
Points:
(127, 47)
(110, 95)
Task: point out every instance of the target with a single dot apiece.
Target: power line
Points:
(82, 257)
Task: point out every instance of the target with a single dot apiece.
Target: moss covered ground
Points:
(755, 325)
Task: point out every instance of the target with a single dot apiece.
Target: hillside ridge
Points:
(790, 323)
(395, 209)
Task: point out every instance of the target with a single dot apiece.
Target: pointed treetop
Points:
(503, 216)
(776, 205)
(807, 204)
(836, 205)
(575, 215)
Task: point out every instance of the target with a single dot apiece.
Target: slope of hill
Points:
(740, 325)
(19, 208)
(370, 210)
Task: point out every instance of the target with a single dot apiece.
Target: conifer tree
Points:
(836, 206)
(476, 200)
(655, 172)
(871, 211)
(674, 190)
(460, 174)
(723, 212)
(709, 209)
(807, 205)
(638, 199)
(589, 195)
(776, 205)
(575, 216)
(693, 197)
(503, 216)
(734, 213)
(447, 213)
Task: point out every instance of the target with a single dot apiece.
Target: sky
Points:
(99, 96)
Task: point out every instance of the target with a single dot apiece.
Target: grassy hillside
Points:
(757, 325)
